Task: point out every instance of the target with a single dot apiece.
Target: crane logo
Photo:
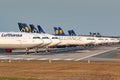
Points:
(60, 31)
(27, 29)
(56, 32)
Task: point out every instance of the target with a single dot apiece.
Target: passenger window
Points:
(36, 37)
(45, 38)
(54, 37)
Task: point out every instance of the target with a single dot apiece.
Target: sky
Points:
(83, 16)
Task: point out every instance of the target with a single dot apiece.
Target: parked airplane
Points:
(74, 39)
(18, 40)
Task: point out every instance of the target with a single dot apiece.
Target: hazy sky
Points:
(83, 16)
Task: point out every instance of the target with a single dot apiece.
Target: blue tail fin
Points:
(40, 29)
(23, 27)
(33, 29)
(61, 31)
(56, 31)
(71, 32)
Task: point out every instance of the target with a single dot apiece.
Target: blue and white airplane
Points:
(73, 39)
(18, 40)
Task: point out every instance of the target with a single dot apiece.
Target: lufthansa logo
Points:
(11, 35)
(61, 31)
(56, 32)
(26, 28)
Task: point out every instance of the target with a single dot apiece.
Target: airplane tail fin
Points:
(71, 33)
(23, 27)
(98, 34)
(56, 31)
(61, 32)
(40, 29)
(90, 34)
(33, 29)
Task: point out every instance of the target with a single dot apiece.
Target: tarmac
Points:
(103, 53)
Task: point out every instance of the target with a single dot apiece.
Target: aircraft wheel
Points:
(36, 52)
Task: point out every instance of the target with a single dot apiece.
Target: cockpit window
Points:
(45, 38)
(54, 37)
(36, 37)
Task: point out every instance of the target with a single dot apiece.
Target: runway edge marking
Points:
(94, 54)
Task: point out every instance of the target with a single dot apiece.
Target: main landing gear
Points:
(36, 50)
(27, 51)
(47, 50)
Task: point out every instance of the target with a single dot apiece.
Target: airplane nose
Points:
(38, 41)
(58, 42)
(55, 42)
(48, 41)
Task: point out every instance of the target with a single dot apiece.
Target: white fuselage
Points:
(54, 40)
(18, 40)
(76, 40)
(46, 40)
(88, 40)
(66, 40)
(49, 40)
(99, 40)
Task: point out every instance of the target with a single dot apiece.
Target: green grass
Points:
(7, 78)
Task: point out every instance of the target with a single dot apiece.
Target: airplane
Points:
(48, 39)
(66, 40)
(18, 40)
(74, 39)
